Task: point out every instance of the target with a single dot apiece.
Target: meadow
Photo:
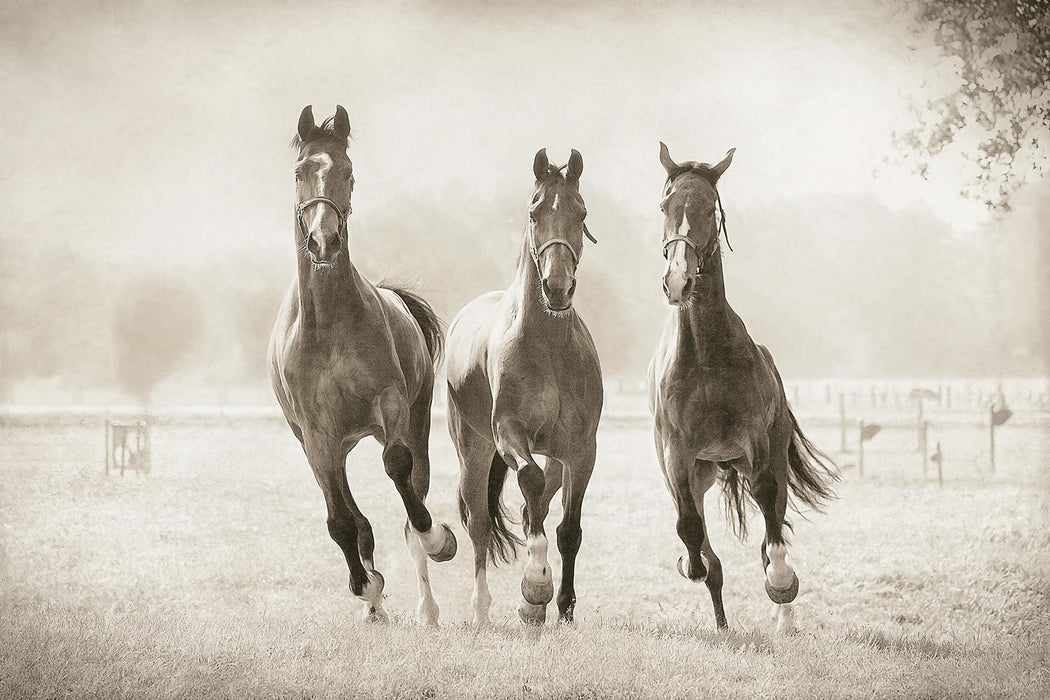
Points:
(213, 575)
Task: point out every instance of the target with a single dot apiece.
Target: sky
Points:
(147, 126)
(153, 137)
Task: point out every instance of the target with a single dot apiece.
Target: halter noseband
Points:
(701, 258)
(301, 207)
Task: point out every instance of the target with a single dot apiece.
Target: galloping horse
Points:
(349, 360)
(524, 379)
(718, 400)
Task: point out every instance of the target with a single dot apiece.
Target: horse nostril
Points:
(688, 287)
(572, 287)
(334, 245)
(312, 246)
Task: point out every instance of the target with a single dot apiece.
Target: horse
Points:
(349, 359)
(718, 401)
(524, 379)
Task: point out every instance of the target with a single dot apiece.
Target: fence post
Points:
(860, 451)
(991, 434)
(925, 447)
(842, 423)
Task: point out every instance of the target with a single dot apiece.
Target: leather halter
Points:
(301, 207)
(701, 258)
(537, 252)
(720, 229)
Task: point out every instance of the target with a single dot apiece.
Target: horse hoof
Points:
(448, 550)
(537, 593)
(532, 615)
(375, 616)
(682, 569)
(783, 595)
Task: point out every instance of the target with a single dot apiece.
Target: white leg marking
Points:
(427, 611)
(785, 617)
(433, 539)
(537, 570)
(372, 596)
(779, 573)
(482, 599)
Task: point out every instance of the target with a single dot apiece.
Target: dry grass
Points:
(214, 576)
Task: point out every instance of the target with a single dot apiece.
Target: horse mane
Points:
(327, 128)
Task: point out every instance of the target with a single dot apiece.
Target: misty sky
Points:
(149, 132)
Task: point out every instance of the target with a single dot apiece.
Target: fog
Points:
(145, 148)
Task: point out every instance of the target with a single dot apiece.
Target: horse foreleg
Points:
(438, 542)
(537, 584)
(343, 517)
(570, 535)
(701, 480)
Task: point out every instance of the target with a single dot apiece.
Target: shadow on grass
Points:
(913, 644)
(739, 640)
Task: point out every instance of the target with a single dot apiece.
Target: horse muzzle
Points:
(323, 248)
(678, 287)
(558, 292)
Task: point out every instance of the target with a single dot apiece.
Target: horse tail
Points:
(811, 475)
(429, 323)
(503, 544)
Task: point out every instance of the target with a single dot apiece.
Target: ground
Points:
(214, 575)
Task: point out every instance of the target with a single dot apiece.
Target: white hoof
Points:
(427, 613)
(785, 617)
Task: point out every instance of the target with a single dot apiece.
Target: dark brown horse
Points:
(718, 400)
(349, 360)
(524, 379)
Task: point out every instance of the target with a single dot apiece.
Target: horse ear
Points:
(342, 123)
(665, 159)
(575, 168)
(306, 122)
(540, 165)
(724, 165)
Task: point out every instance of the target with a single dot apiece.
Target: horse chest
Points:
(335, 385)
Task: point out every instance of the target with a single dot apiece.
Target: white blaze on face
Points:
(323, 163)
(676, 265)
(554, 204)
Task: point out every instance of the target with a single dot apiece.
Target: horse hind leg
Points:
(781, 580)
(477, 464)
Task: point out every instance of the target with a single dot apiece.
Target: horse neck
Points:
(703, 325)
(328, 297)
(525, 294)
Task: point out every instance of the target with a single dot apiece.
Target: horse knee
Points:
(397, 461)
(765, 490)
(531, 481)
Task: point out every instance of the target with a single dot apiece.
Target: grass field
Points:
(214, 576)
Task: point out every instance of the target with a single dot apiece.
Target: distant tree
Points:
(157, 323)
(998, 112)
